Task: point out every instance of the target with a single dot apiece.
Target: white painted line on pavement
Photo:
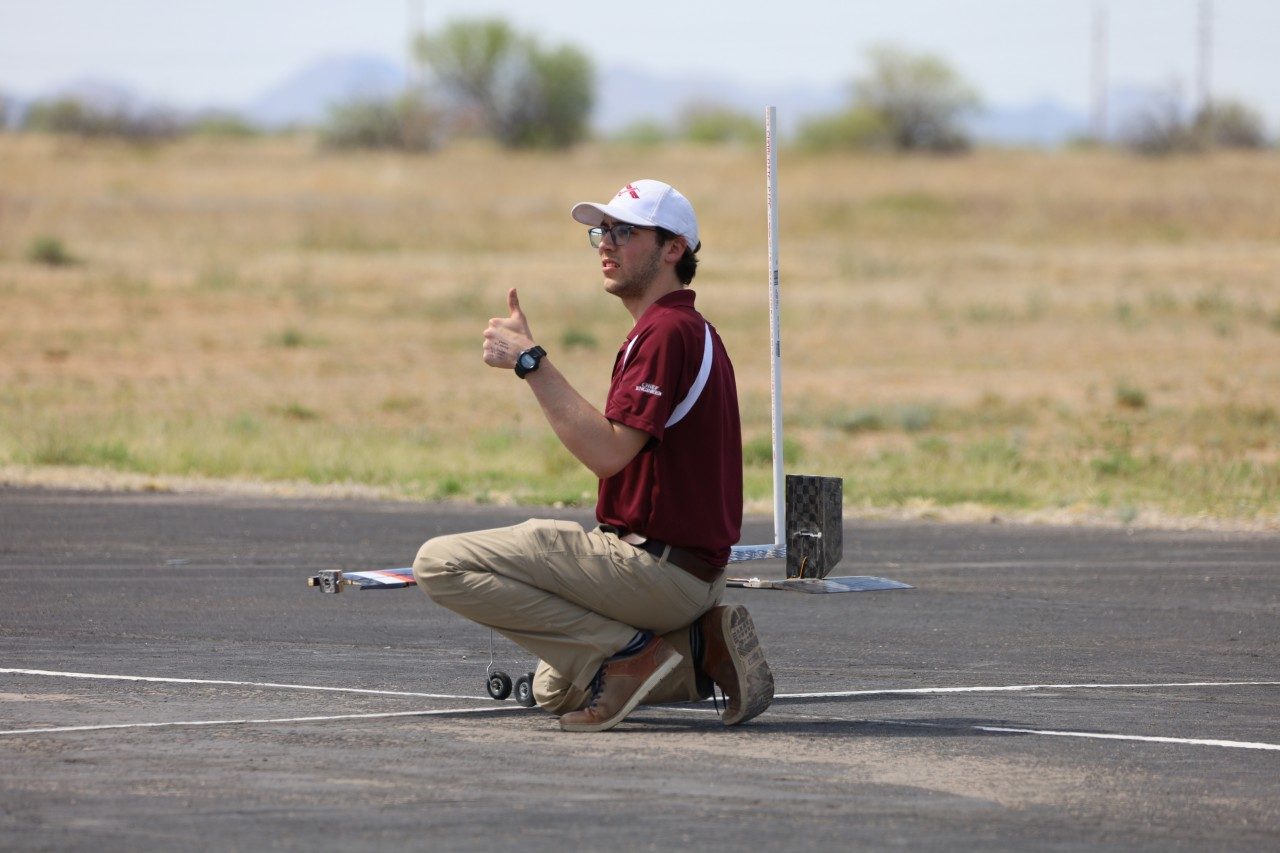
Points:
(433, 713)
(1019, 688)
(1013, 688)
(1233, 744)
(836, 694)
(1183, 741)
(161, 680)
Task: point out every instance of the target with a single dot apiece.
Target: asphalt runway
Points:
(168, 681)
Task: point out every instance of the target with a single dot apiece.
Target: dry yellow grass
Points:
(1067, 335)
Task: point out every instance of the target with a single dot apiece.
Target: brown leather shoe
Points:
(732, 657)
(623, 684)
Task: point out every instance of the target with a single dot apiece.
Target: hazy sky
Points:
(226, 52)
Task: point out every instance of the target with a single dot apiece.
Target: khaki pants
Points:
(570, 596)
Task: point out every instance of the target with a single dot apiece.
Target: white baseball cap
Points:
(645, 202)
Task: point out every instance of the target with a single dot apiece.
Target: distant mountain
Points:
(627, 96)
(305, 97)
(12, 110)
(106, 95)
(624, 97)
(1043, 123)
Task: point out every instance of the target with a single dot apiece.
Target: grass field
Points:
(1065, 336)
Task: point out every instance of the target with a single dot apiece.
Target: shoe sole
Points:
(755, 680)
(663, 670)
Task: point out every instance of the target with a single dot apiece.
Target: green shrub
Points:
(914, 418)
(220, 125)
(1117, 463)
(759, 451)
(574, 338)
(50, 251)
(645, 134)
(1130, 397)
(907, 418)
(858, 128)
(449, 487)
(405, 124)
(861, 420)
(74, 117)
(295, 411)
(292, 337)
(711, 124)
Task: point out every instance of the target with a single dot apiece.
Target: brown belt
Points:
(679, 557)
(687, 560)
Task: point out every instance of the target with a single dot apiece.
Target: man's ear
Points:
(674, 249)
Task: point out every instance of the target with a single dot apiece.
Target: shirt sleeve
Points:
(647, 381)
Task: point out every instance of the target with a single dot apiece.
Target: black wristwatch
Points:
(528, 361)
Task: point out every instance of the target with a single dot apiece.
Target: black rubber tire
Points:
(524, 691)
(498, 685)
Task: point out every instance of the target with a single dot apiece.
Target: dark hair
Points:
(687, 266)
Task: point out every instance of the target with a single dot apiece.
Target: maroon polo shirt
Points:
(673, 380)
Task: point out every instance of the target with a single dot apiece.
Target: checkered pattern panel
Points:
(815, 533)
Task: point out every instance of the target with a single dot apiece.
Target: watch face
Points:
(527, 361)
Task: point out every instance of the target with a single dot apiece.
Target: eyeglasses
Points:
(619, 233)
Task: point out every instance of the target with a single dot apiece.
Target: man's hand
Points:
(602, 445)
(508, 336)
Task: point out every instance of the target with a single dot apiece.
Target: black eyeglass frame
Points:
(619, 233)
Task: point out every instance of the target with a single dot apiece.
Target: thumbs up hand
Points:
(507, 337)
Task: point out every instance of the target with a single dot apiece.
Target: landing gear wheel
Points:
(499, 685)
(524, 690)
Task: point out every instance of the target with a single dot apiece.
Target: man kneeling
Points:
(627, 612)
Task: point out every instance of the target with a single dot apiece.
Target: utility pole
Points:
(1205, 77)
(413, 67)
(1099, 66)
(415, 127)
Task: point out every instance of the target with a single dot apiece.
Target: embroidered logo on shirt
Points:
(649, 388)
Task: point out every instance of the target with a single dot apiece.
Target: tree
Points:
(1231, 124)
(558, 104)
(525, 96)
(1162, 127)
(1159, 127)
(920, 99)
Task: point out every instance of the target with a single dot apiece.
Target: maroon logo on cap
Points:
(628, 189)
